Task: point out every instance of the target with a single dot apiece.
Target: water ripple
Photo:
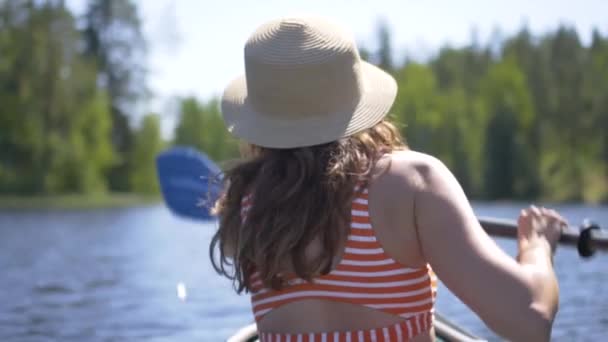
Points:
(52, 288)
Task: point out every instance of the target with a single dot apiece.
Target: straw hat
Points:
(304, 85)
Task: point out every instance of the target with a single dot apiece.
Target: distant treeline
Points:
(526, 118)
(522, 118)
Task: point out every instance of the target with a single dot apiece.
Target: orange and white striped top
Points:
(366, 276)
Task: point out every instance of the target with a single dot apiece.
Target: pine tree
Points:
(115, 43)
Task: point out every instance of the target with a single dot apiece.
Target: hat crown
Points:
(302, 67)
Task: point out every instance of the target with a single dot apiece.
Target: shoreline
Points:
(76, 201)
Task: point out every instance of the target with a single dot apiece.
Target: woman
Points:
(336, 228)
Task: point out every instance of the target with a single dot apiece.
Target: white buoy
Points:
(181, 291)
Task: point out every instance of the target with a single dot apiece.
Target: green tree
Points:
(384, 57)
(565, 152)
(200, 125)
(595, 94)
(148, 143)
(461, 68)
(531, 58)
(53, 133)
(459, 137)
(442, 123)
(417, 107)
(115, 43)
(509, 170)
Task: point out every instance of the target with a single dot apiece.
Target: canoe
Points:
(445, 331)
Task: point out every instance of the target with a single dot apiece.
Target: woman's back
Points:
(379, 280)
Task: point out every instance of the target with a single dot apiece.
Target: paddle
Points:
(191, 182)
(588, 238)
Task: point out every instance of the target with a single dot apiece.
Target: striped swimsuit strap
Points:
(365, 276)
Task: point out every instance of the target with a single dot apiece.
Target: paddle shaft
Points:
(597, 239)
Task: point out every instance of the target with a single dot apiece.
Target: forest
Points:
(524, 117)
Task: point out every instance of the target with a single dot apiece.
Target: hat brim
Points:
(244, 122)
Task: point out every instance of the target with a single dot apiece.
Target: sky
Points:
(196, 46)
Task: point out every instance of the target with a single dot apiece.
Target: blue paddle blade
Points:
(190, 182)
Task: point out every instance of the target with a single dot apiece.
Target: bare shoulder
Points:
(415, 169)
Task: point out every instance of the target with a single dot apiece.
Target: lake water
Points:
(111, 275)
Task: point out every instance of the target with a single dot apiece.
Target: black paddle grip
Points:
(585, 245)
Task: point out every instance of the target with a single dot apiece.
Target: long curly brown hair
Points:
(298, 196)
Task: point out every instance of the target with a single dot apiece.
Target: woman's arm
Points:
(518, 300)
